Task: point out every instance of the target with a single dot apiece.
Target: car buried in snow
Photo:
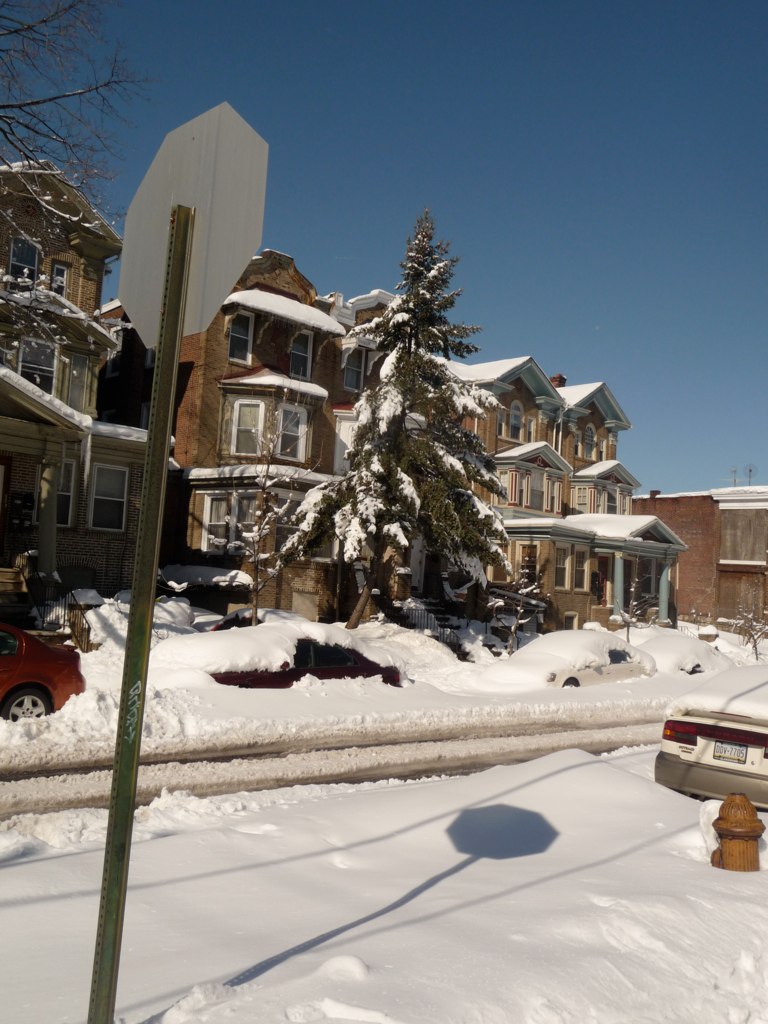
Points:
(571, 658)
(715, 738)
(35, 679)
(276, 654)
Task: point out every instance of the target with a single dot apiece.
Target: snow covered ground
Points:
(570, 888)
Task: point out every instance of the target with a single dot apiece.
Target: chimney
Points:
(558, 380)
(654, 495)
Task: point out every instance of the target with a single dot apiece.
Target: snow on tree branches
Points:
(415, 469)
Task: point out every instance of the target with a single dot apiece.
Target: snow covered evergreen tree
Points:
(415, 470)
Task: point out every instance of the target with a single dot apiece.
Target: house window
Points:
(353, 370)
(577, 444)
(513, 495)
(38, 364)
(536, 494)
(530, 429)
(570, 620)
(59, 276)
(501, 421)
(78, 381)
(301, 356)
(582, 499)
(580, 570)
(292, 434)
(246, 427)
(215, 523)
(589, 442)
(516, 421)
(23, 262)
(286, 507)
(561, 568)
(624, 503)
(245, 515)
(110, 485)
(240, 336)
(601, 450)
(528, 563)
(66, 476)
(611, 504)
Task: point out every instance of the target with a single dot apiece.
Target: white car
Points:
(674, 652)
(715, 738)
(570, 657)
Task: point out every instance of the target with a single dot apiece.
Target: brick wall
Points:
(695, 518)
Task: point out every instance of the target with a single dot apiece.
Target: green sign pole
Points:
(128, 742)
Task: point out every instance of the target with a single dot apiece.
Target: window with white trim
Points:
(580, 566)
(247, 427)
(530, 429)
(108, 497)
(582, 499)
(625, 503)
(354, 369)
(37, 363)
(561, 567)
(64, 485)
(571, 620)
(78, 381)
(611, 503)
(536, 492)
(577, 444)
(516, 421)
(589, 442)
(244, 520)
(240, 338)
(59, 278)
(502, 419)
(292, 432)
(215, 523)
(513, 487)
(301, 356)
(23, 262)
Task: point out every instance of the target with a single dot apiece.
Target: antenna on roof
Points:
(750, 470)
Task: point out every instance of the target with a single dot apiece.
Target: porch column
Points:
(618, 583)
(664, 592)
(46, 515)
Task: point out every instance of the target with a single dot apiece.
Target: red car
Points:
(35, 679)
(324, 661)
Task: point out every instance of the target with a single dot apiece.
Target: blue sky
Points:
(598, 167)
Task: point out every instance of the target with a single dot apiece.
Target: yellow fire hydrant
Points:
(738, 829)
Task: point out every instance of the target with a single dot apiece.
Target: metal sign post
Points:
(125, 774)
(211, 170)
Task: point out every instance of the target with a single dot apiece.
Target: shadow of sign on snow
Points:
(495, 832)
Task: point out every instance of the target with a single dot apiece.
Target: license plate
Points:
(735, 752)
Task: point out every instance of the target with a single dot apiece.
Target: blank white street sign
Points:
(217, 164)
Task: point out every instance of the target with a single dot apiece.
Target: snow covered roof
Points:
(285, 309)
(51, 302)
(20, 397)
(255, 471)
(487, 372)
(524, 453)
(579, 396)
(599, 527)
(118, 430)
(272, 379)
(606, 468)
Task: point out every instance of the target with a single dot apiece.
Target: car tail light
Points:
(689, 733)
(681, 732)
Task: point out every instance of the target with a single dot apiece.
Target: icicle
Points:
(85, 460)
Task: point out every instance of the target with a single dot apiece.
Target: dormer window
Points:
(24, 261)
(301, 356)
(516, 421)
(589, 442)
(240, 338)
